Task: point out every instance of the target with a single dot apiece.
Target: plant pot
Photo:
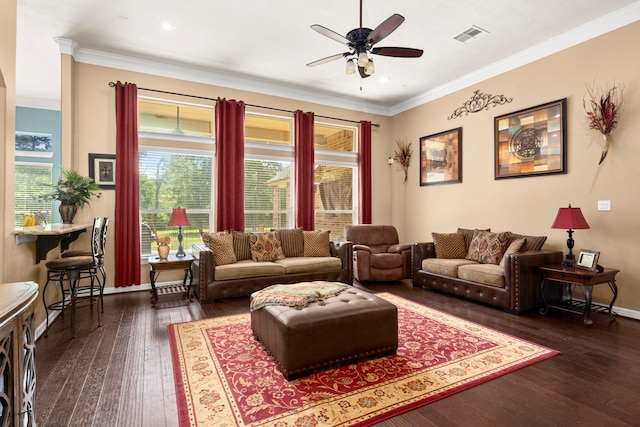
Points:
(163, 251)
(67, 212)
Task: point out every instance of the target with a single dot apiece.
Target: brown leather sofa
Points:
(517, 291)
(377, 254)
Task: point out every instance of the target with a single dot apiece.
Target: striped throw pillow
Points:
(449, 245)
(316, 243)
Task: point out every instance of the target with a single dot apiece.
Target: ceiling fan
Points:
(360, 42)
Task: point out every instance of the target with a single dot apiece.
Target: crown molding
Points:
(581, 34)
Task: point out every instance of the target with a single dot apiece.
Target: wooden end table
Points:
(156, 265)
(570, 276)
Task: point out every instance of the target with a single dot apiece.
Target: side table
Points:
(570, 276)
(156, 265)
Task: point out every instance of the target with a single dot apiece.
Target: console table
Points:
(570, 276)
(17, 354)
(49, 236)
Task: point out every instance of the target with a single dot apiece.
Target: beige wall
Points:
(529, 205)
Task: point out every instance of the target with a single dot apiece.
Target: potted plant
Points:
(73, 191)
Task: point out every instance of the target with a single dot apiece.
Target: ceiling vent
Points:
(471, 34)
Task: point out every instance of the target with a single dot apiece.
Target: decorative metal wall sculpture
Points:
(478, 102)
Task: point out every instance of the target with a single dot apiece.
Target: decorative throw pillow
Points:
(265, 246)
(532, 243)
(514, 246)
(222, 246)
(487, 247)
(449, 245)
(241, 245)
(292, 242)
(316, 243)
(468, 235)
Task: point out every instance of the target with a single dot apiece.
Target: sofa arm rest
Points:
(361, 248)
(203, 269)
(344, 251)
(522, 276)
(419, 252)
(399, 248)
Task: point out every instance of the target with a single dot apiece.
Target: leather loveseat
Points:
(454, 263)
(230, 269)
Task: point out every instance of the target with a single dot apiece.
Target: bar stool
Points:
(100, 259)
(72, 270)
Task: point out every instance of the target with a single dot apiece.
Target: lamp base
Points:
(181, 252)
(569, 261)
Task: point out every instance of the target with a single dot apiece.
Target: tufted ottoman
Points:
(350, 326)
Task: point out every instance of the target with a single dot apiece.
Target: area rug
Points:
(223, 376)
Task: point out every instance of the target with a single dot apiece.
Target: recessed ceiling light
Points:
(385, 79)
(167, 26)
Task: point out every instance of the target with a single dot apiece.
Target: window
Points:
(175, 119)
(32, 183)
(168, 179)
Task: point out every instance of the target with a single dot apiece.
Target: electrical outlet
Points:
(604, 205)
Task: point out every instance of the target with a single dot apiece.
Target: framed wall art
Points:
(531, 142)
(102, 168)
(441, 158)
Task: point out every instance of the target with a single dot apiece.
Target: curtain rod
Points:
(112, 84)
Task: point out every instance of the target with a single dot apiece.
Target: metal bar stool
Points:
(72, 270)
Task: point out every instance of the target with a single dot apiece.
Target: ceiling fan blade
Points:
(328, 59)
(386, 28)
(330, 33)
(400, 52)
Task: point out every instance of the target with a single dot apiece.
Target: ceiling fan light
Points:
(351, 67)
(363, 59)
(369, 68)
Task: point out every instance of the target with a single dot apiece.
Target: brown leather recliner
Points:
(377, 254)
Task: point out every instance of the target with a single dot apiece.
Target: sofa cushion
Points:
(532, 243)
(488, 274)
(444, 267)
(468, 235)
(513, 247)
(487, 247)
(316, 243)
(241, 245)
(292, 241)
(265, 246)
(222, 246)
(385, 261)
(449, 245)
(296, 265)
(248, 268)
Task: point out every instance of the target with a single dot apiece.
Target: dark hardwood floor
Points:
(121, 374)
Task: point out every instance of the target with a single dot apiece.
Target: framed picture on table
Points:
(588, 259)
(102, 168)
(532, 141)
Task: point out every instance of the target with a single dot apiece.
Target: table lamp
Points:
(179, 218)
(570, 219)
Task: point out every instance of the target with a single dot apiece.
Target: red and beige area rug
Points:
(223, 376)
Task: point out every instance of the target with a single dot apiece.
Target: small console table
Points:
(570, 276)
(157, 264)
(49, 236)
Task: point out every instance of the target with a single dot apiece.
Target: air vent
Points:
(470, 34)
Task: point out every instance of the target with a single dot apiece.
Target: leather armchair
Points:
(377, 254)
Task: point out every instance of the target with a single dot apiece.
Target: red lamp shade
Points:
(570, 219)
(179, 217)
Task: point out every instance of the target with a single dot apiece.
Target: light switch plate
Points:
(604, 205)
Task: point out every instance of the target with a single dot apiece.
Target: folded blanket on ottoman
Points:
(297, 294)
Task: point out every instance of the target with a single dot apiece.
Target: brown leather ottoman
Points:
(338, 330)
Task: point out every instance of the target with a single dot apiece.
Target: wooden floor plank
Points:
(129, 379)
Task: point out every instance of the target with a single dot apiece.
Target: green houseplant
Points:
(73, 191)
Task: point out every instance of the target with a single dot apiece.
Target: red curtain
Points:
(126, 218)
(230, 164)
(304, 169)
(364, 169)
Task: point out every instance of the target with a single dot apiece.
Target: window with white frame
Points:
(32, 184)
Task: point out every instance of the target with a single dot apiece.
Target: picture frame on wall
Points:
(441, 158)
(102, 169)
(532, 141)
